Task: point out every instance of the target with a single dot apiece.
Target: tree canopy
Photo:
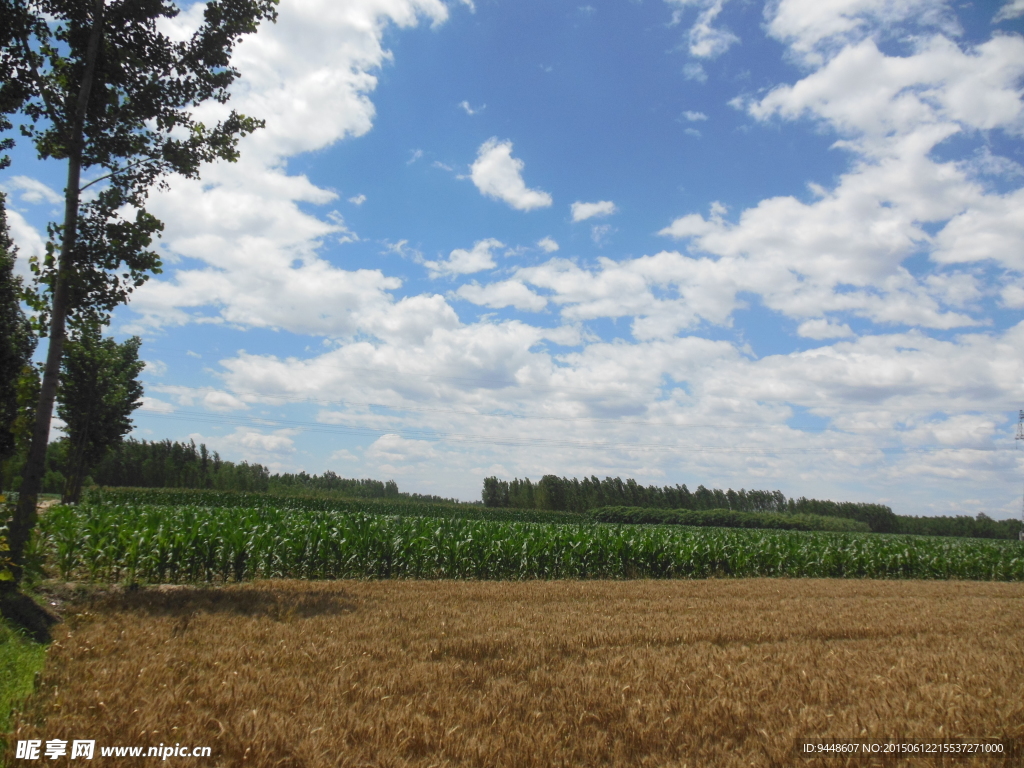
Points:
(99, 390)
(17, 342)
(96, 83)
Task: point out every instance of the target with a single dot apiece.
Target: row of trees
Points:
(169, 464)
(98, 85)
(331, 483)
(565, 495)
(560, 493)
(99, 388)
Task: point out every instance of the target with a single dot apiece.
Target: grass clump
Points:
(20, 659)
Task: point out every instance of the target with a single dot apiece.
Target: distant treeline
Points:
(167, 464)
(562, 494)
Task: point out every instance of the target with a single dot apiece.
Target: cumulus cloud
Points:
(844, 250)
(584, 211)
(27, 240)
(274, 450)
(879, 100)
(494, 389)
(814, 31)
(463, 262)
(693, 116)
(822, 328)
(309, 76)
(508, 293)
(547, 245)
(357, 200)
(452, 400)
(499, 175)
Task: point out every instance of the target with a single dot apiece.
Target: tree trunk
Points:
(76, 465)
(24, 519)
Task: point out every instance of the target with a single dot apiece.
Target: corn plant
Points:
(188, 543)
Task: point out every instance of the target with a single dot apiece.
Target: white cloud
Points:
(1011, 10)
(606, 408)
(815, 29)
(844, 251)
(415, 155)
(547, 245)
(223, 401)
(156, 367)
(469, 110)
(274, 450)
(584, 211)
(878, 100)
(1012, 296)
(694, 71)
(32, 190)
(463, 262)
(27, 240)
(499, 175)
(394, 452)
(705, 40)
(508, 293)
(822, 328)
(344, 455)
(599, 233)
(155, 405)
(629, 406)
(693, 116)
(209, 397)
(357, 200)
(990, 229)
(309, 76)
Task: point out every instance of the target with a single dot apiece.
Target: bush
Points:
(726, 518)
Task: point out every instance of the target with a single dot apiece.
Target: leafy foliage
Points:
(104, 89)
(561, 493)
(99, 389)
(582, 496)
(725, 518)
(167, 464)
(17, 342)
(136, 125)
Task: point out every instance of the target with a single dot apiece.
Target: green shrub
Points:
(726, 518)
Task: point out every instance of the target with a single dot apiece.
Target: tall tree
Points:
(102, 88)
(99, 389)
(17, 342)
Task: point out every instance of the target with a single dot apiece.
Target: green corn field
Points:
(133, 541)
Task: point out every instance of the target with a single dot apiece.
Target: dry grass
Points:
(638, 673)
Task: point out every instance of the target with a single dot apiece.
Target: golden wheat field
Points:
(523, 674)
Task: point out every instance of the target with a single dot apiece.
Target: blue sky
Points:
(707, 241)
